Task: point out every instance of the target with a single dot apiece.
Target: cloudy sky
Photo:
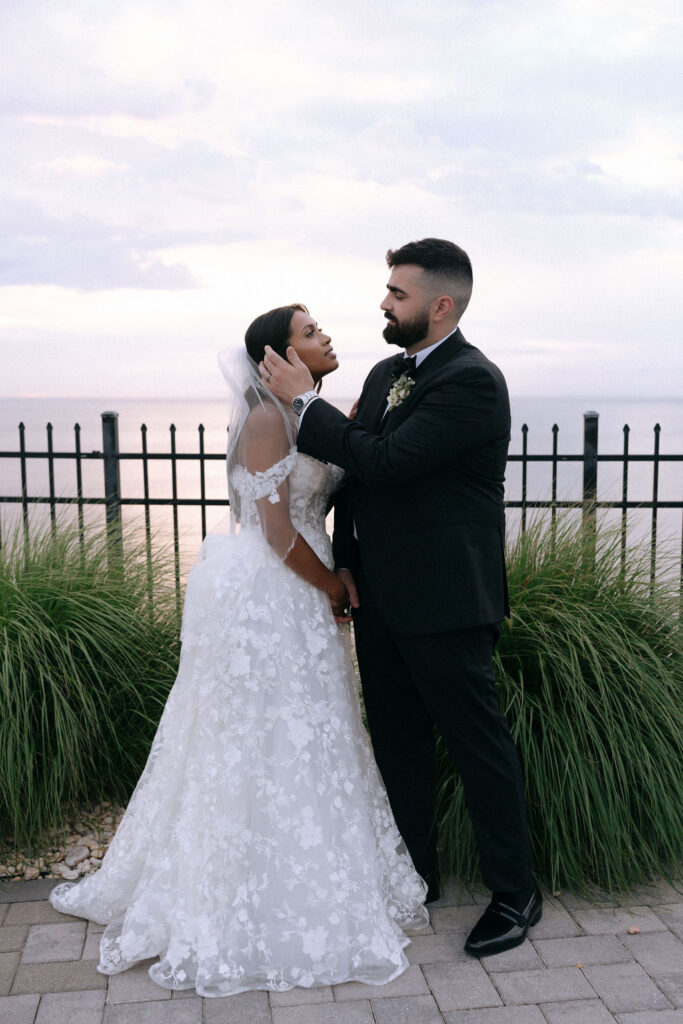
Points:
(169, 170)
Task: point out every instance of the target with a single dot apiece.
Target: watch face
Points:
(298, 405)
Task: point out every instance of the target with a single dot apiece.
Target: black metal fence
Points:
(113, 500)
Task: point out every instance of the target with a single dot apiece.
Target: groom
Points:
(419, 541)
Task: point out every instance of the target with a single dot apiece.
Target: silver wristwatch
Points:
(301, 401)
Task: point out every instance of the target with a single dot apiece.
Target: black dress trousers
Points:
(412, 683)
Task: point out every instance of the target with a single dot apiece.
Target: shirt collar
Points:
(423, 353)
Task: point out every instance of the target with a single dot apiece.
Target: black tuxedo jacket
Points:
(425, 489)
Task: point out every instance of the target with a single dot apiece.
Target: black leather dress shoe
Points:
(502, 927)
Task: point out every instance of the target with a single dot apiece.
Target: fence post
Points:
(590, 480)
(112, 481)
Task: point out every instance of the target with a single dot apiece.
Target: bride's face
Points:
(312, 346)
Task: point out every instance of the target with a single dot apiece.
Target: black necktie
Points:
(404, 365)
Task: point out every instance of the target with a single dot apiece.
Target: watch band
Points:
(301, 401)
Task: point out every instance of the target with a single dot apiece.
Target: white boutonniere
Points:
(400, 390)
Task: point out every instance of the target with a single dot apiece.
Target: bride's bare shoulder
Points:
(265, 418)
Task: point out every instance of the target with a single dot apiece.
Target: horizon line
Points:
(332, 397)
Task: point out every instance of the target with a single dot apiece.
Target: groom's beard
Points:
(410, 332)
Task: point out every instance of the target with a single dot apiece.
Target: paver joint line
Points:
(48, 965)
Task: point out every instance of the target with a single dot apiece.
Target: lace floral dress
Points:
(258, 850)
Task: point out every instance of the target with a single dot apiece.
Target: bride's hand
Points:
(347, 579)
(354, 409)
(339, 601)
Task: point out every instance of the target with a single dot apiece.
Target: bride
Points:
(258, 850)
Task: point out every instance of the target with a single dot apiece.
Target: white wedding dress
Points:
(258, 850)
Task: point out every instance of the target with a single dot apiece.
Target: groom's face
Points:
(405, 307)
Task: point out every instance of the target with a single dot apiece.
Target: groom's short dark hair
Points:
(441, 259)
(435, 255)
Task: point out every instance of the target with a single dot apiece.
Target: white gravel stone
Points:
(75, 855)
(67, 873)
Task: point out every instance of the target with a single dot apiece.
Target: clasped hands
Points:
(344, 598)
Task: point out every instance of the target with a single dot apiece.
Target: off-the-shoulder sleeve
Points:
(263, 484)
(261, 477)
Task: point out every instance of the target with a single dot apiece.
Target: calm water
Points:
(538, 413)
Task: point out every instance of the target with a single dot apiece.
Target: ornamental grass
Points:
(590, 675)
(87, 658)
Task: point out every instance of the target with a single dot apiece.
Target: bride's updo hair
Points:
(271, 328)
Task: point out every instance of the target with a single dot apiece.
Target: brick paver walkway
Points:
(580, 966)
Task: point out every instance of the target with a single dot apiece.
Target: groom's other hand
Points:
(354, 409)
(286, 378)
(350, 584)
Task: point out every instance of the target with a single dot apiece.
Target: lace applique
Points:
(258, 850)
(253, 486)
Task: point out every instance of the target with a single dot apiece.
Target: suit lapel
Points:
(440, 356)
(424, 374)
(371, 411)
(376, 402)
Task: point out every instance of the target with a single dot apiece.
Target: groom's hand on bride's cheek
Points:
(286, 378)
